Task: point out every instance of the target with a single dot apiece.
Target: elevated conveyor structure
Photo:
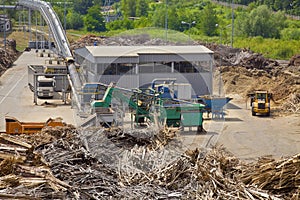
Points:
(60, 39)
(53, 22)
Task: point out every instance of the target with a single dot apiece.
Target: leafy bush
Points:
(260, 22)
(284, 52)
(124, 24)
(74, 21)
(93, 20)
(271, 48)
(290, 34)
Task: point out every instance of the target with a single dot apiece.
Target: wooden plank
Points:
(14, 140)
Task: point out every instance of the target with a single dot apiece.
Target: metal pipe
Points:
(161, 79)
(75, 83)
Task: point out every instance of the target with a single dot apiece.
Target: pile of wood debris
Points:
(295, 60)
(7, 55)
(277, 177)
(122, 40)
(292, 104)
(59, 163)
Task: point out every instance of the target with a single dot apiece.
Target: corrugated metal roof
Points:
(142, 54)
(134, 51)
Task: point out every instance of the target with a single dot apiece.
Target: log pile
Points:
(87, 40)
(59, 163)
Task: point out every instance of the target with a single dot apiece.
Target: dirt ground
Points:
(249, 137)
(243, 71)
(60, 163)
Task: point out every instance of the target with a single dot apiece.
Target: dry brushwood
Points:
(7, 56)
(279, 177)
(292, 104)
(96, 164)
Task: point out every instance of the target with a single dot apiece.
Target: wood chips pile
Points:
(67, 163)
(292, 104)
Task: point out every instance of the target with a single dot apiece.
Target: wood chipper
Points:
(138, 101)
(150, 104)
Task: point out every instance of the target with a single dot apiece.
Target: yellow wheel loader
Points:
(260, 102)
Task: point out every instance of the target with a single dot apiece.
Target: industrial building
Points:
(137, 66)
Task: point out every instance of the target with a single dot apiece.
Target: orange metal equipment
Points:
(14, 126)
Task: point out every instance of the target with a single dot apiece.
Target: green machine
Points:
(177, 113)
(146, 104)
(139, 102)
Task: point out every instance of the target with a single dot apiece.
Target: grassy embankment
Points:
(271, 48)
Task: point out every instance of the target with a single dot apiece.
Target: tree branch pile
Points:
(295, 60)
(292, 104)
(122, 40)
(278, 177)
(7, 56)
(68, 163)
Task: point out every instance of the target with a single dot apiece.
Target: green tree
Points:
(174, 22)
(124, 24)
(128, 8)
(60, 12)
(158, 19)
(93, 20)
(208, 21)
(260, 22)
(141, 8)
(142, 22)
(98, 2)
(74, 21)
(277, 5)
(82, 6)
(176, 14)
(243, 25)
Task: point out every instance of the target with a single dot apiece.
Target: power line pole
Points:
(65, 21)
(5, 20)
(166, 22)
(232, 24)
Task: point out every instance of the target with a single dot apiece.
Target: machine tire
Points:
(253, 113)
(268, 114)
(200, 129)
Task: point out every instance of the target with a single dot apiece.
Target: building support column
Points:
(136, 68)
(211, 75)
